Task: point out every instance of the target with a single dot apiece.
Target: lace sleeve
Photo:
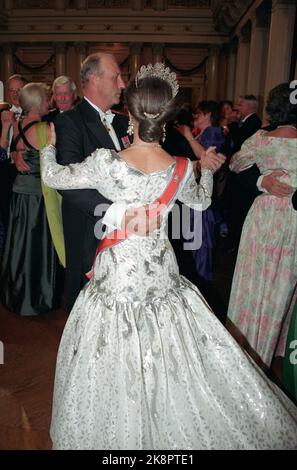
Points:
(246, 156)
(86, 174)
(197, 196)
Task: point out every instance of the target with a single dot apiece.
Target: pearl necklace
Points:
(147, 145)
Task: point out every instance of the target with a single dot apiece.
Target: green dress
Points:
(28, 277)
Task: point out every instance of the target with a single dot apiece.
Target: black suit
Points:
(51, 115)
(8, 174)
(294, 200)
(79, 133)
(239, 133)
(242, 187)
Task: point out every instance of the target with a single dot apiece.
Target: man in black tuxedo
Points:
(249, 121)
(64, 96)
(86, 127)
(7, 168)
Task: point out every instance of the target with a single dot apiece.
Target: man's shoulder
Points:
(254, 119)
(73, 115)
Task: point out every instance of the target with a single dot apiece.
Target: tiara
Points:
(159, 71)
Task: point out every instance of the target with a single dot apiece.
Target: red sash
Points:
(118, 236)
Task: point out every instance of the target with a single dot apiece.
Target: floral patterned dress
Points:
(266, 269)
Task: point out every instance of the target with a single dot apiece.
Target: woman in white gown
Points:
(143, 362)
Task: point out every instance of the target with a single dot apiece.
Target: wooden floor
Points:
(26, 378)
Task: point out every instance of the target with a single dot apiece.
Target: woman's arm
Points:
(195, 146)
(198, 196)
(245, 157)
(86, 174)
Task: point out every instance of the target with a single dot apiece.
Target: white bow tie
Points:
(108, 116)
(16, 109)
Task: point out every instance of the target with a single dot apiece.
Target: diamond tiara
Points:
(159, 71)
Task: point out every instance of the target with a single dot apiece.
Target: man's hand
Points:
(7, 118)
(275, 187)
(143, 220)
(20, 164)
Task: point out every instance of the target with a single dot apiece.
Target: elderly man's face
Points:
(244, 108)
(14, 87)
(64, 97)
(110, 83)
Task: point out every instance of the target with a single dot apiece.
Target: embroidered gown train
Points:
(143, 362)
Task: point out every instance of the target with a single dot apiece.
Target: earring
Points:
(130, 130)
(164, 133)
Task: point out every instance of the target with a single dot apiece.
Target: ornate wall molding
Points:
(182, 21)
(227, 13)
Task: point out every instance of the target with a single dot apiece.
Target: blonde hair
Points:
(31, 96)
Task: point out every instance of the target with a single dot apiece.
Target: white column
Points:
(242, 63)
(231, 69)
(280, 43)
(258, 54)
(212, 73)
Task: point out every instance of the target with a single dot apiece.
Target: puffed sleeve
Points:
(196, 196)
(87, 174)
(246, 156)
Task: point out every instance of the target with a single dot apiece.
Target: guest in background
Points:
(64, 95)
(226, 108)
(28, 273)
(8, 170)
(206, 118)
(244, 187)
(266, 269)
(249, 122)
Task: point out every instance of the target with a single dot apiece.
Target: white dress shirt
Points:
(115, 213)
(108, 118)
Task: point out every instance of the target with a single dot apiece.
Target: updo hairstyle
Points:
(152, 105)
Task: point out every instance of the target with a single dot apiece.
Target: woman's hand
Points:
(52, 135)
(212, 160)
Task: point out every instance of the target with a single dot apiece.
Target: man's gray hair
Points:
(92, 66)
(18, 77)
(64, 80)
(252, 100)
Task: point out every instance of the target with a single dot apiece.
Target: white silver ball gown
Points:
(143, 362)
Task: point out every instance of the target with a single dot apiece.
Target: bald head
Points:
(101, 80)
